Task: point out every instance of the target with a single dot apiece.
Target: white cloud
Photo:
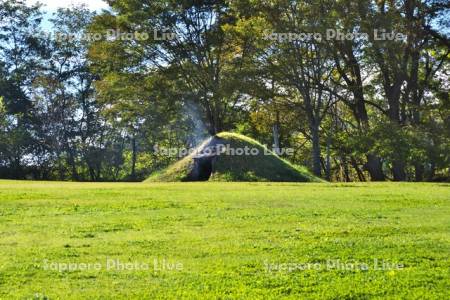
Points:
(55, 4)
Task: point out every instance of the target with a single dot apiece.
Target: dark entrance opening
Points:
(204, 166)
(204, 163)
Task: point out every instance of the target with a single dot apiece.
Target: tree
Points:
(194, 47)
(20, 51)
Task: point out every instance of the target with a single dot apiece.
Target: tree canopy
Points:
(358, 89)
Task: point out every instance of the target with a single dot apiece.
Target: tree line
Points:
(359, 89)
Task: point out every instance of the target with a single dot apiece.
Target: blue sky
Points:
(52, 5)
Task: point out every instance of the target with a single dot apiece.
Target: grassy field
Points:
(224, 241)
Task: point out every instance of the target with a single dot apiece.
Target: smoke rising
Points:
(198, 129)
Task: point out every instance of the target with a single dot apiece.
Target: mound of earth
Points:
(233, 157)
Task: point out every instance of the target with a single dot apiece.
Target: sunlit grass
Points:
(223, 235)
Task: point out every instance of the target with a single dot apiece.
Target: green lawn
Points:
(225, 240)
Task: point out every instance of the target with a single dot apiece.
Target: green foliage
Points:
(352, 109)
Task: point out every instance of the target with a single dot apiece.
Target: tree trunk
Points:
(360, 173)
(418, 170)
(432, 172)
(71, 161)
(92, 174)
(351, 73)
(375, 168)
(60, 168)
(133, 158)
(398, 170)
(346, 171)
(276, 139)
(328, 159)
(316, 150)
